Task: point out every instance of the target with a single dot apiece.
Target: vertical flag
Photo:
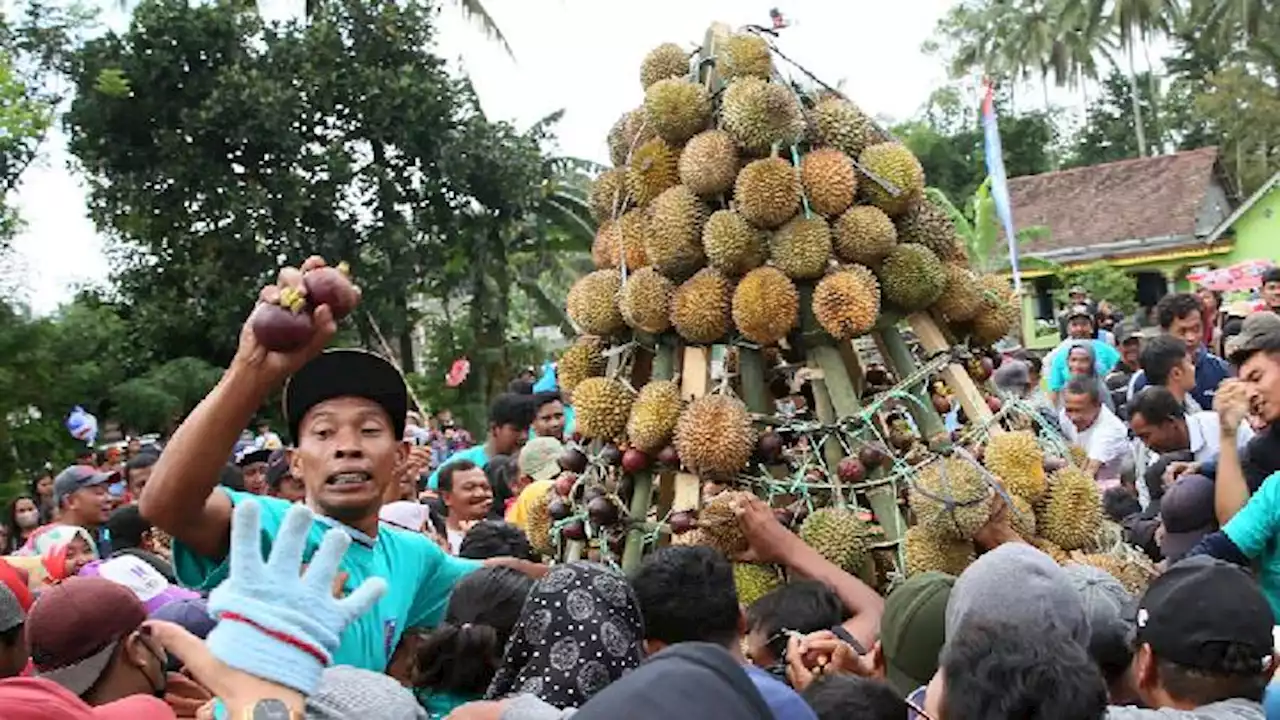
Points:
(999, 182)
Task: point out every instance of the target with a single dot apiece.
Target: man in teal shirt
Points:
(345, 410)
(510, 416)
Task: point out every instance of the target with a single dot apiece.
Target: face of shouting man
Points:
(346, 457)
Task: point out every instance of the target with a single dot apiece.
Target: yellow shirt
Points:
(518, 513)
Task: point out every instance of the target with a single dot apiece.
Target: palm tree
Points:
(979, 228)
(475, 11)
(1137, 22)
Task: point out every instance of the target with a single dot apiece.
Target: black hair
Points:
(436, 519)
(1160, 356)
(231, 477)
(1036, 363)
(545, 398)
(838, 697)
(1175, 307)
(1233, 326)
(127, 527)
(447, 472)
(1157, 405)
(10, 637)
(495, 538)
(805, 606)
(1153, 476)
(1118, 503)
(1270, 276)
(520, 387)
(140, 461)
(1111, 647)
(11, 520)
(1001, 669)
(463, 653)
(1237, 674)
(511, 409)
(687, 594)
(1084, 386)
(500, 470)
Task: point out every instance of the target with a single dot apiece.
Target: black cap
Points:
(1198, 607)
(346, 373)
(277, 467)
(1079, 311)
(251, 455)
(1186, 510)
(1260, 331)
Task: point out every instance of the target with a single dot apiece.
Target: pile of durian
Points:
(1052, 503)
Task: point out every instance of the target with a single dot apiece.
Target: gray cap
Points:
(1013, 375)
(11, 614)
(1105, 599)
(348, 693)
(1017, 583)
(1260, 331)
(79, 477)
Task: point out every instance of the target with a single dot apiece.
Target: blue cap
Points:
(79, 477)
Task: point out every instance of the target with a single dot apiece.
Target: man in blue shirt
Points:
(510, 416)
(1179, 315)
(346, 412)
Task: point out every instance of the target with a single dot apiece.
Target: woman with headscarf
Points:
(62, 549)
(579, 630)
(1082, 362)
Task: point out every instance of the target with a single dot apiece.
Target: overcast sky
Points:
(582, 56)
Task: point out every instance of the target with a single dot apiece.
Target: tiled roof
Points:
(1143, 198)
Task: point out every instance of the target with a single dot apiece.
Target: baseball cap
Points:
(1187, 514)
(540, 458)
(1199, 607)
(139, 576)
(404, 514)
(25, 698)
(1105, 599)
(193, 615)
(1079, 311)
(251, 455)
(1260, 331)
(277, 467)
(11, 613)
(348, 692)
(346, 373)
(913, 629)
(1019, 584)
(1077, 290)
(1012, 375)
(74, 627)
(79, 477)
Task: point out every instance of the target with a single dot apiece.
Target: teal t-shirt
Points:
(475, 454)
(1105, 356)
(420, 576)
(439, 704)
(1255, 530)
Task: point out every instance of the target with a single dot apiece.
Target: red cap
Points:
(74, 627)
(40, 699)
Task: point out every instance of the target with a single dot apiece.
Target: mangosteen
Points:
(942, 404)
(559, 509)
(610, 454)
(769, 446)
(331, 286)
(634, 460)
(872, 456)
(574, 530)
(851, 470)
(282, 329)
(564, 483)
(682, 522)
(573, 459)
(668, 457)
(602, 511)
(591, 493)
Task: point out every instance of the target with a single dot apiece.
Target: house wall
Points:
(1257, 232)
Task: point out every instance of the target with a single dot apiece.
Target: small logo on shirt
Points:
(389, 636)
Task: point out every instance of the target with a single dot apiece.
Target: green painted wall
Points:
(1257, 232)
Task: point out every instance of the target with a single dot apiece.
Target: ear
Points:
(295, 464)
(1144, 668)
(133, 650)
(402, 452)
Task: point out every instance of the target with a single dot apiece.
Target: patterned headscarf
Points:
(51, 543)
(580, 630)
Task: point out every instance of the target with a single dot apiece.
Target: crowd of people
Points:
(378, 565)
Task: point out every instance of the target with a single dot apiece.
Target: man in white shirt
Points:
(1090, 425)
(1160, 421)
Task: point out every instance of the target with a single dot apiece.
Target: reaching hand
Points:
(1177, 469)
(276, 366)
(767, 538)
(822, 653)
(1232, 405)
(999, 529)
(273, 622)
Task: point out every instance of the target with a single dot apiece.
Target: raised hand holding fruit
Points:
(297, 315)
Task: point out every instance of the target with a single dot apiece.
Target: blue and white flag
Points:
(999, 181)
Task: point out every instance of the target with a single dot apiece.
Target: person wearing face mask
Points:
(23, 519)
(87, 635)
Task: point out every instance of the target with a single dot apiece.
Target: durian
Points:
(927, 553)
(668, 60)
(653, 169)
(1059, 555)
(719, 523)
(654, 415)
(622, 240)
(863, 234)
(602, 406)
(645, 301)
(951, 499)
(830, 182)
(929, 225)
(677, 109)
(760, 114)
(1000, 313)
(1133, 575)
(962, 300)
(608, 194)
(839, 123)
(753, 581)
(592, 302)
(731, 244)
(911, 277)
(846, 303)
(674, 243)
(709, 163)
(1022, 517)
(627, 135)
(579, 361)
(538, 524)
(1078, 456)
(744, 55)
(1072, 515)
(715, 437)
(767, 192)
(893, 163)
(603, 248)
(802, 247)
(1016, 459)
(838, 534)
(700, 307)
(766, 306)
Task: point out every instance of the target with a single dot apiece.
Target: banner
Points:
(999, 182)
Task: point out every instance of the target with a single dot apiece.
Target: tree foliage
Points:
(1103, 282)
